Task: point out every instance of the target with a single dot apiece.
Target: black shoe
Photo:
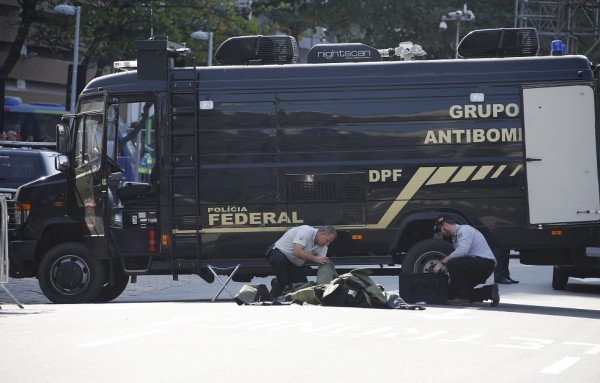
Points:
(495, 295)
(512, 280)
(504, 281)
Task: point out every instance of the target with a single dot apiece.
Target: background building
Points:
(40, 75)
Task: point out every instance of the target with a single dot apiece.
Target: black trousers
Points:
(285, 271)
(468, 272)
(503, 259)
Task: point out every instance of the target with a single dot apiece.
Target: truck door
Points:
(90, 178)
(561, 155)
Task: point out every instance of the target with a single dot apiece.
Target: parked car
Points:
(22, 162)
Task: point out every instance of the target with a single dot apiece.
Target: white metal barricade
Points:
(4, 248)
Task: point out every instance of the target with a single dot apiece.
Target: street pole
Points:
(457, 17)
(210, 48)
(75, 60)
(457, 39)
(71, 10)
(206, 36)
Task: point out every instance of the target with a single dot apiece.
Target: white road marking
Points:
(560, 366)
(594, 348)
(527, 343)
(120, 338)
(450, 314)
(464, 339)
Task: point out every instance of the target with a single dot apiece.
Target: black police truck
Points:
(376, 142)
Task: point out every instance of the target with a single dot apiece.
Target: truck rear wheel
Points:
(68, 274)
(422, 256)
(559, 278)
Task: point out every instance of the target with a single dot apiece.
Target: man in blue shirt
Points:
(470, 264)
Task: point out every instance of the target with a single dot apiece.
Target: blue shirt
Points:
(469, 242)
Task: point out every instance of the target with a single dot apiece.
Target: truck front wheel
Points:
(422, 256)
(67, 274)
(110, 292)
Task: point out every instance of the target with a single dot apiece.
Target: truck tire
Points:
(422, 256)
(68, 274)
(108, 292)
(559, 278)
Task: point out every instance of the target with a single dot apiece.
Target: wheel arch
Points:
(56, 232)
(417, 225)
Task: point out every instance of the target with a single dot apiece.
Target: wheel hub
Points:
(70, 275)
(427, 261)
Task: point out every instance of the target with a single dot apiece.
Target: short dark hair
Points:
(439, 221)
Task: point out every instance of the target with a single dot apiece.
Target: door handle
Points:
(532, 159)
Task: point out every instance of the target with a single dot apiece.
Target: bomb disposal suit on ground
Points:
(367, 140)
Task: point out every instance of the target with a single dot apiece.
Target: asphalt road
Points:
(162, 330)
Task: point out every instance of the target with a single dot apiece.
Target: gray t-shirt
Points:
(303, 235)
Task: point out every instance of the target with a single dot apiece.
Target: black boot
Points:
(275, 288)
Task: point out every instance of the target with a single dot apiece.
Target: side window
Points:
(89, 142)
(132, 137)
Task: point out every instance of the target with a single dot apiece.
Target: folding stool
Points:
(229, 271)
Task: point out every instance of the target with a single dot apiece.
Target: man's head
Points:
(445, 225)
(325, 235)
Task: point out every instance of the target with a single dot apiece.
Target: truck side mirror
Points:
(62, 138)
(61, 163)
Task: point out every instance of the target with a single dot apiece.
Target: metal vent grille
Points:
(313, 191)
(500, 42)
(519, 43)
(352, 192)
(332, 187)
(258, 50)
(353, 214)
(274, 50)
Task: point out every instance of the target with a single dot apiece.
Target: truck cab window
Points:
(89, 142)
(131, 137)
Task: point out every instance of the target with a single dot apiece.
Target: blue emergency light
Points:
(558, 48)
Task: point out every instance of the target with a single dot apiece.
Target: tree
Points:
(385, 23)
(290, 16)
(110, 28)
(29, 15)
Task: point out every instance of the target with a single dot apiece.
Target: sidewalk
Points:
(149, 288)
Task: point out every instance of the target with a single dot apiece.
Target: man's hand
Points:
(438, 267)
(321, 260)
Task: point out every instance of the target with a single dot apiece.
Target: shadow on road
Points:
(546, 310)
(587, 289)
